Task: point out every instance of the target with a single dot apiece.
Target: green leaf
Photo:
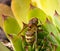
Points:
(12, 29)
(29, 48)
(4, 10)
(20, 9)
(11, 26)
(58, 48)
(3, 48)
(50, 27)
(49, 6)
(17, 44)
(57, 20)
(38, 13)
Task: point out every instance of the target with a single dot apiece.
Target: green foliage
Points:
(12, 29)
(49, 6)
(20, 9)
(38, 13)
(11, 26)
(3, 48)
(4, 10)
(17, 44)
(57, 20)
(58, 48)
(52, 30)
(23, 13)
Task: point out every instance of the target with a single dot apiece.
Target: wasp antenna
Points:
(24, 24)
(22, 29)
(56, 13)
(4, 17)
(31, 6)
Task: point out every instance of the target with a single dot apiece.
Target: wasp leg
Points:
(24, 27)
(19, 34)
(39, 25)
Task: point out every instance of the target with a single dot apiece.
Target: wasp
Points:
(31, 33)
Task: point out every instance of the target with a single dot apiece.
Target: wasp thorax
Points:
(33, 21)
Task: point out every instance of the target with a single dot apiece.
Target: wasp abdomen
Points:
(29, 36)
(29, 39)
